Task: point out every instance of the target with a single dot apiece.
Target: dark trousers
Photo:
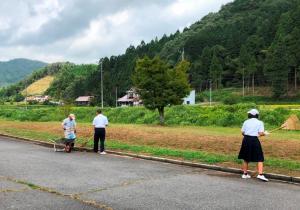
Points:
(99, 134)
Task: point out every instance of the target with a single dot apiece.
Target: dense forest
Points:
(248, 43)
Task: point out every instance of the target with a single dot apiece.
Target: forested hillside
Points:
(15, 70)
(248, 43)
(70, 81)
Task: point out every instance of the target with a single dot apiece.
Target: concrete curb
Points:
(279, 177)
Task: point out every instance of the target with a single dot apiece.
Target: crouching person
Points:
(69, 126)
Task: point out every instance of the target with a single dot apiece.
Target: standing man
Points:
(99, 123)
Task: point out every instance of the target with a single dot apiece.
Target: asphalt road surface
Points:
(34, 177)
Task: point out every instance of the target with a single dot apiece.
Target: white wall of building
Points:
(190, 99)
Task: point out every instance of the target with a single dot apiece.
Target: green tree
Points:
(159, 85)
(251, 69)
(277, 68)
(244, 61)
(18, 97)
(293, 53)
(215, 71)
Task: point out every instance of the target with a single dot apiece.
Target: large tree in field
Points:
(159, 85)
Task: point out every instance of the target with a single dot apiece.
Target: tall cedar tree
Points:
(159, 85)
(277, 69)
(215, 71)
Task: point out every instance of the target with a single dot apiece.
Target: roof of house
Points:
(84, 98)
(125, 99)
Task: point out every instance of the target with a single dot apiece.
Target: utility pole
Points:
(116, 96)
(210, 94)
(243, 82)
(101, 72)
(26, 95)
(295, 79)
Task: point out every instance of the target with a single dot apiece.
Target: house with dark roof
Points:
(84, 100)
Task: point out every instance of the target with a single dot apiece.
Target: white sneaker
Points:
(262, 177)
(103, 153)
(246, 176)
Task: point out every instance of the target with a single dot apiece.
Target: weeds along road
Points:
(35, 177)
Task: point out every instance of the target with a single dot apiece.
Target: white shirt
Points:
(252, 127)
(100, 121)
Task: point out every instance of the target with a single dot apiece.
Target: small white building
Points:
(190, 99)
(37, 98)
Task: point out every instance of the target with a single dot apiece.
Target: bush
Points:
(200, 98)
(18, 97)
(33, 102)
(231, 99)
(222, 115)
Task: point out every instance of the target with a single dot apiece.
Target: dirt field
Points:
(214, 140)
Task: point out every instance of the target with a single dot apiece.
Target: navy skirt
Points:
(251, 150)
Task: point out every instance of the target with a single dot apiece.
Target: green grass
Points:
(44, 136)
(32, 186)
(189, 155)
(262, 96)
(198, 155)
(221, 115)
(166, 152)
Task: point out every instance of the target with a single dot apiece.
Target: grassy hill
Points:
(38, 81)
(39, 87)
(52, 78)
(15, 70)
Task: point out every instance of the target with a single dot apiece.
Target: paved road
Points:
(29, 172)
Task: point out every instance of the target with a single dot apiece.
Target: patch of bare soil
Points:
(172, 138)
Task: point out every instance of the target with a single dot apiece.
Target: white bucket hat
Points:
(253, 112)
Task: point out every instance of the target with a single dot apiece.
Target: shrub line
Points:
(279, 177)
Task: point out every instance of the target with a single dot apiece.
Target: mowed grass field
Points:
(39, 87)
(214, 145)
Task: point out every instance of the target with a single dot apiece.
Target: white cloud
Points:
(84, 31)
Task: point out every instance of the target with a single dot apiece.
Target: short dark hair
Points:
(253, 116)
(99, 111)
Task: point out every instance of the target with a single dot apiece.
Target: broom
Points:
(276, 129)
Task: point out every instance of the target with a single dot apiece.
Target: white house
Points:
(130, 99)
(37, 98)
(190, 99)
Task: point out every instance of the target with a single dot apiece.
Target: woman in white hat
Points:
(251, 150)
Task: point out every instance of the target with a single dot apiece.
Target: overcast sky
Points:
(82, 31)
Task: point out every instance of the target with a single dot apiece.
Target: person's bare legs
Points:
(260, 167)
(245, 167)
